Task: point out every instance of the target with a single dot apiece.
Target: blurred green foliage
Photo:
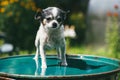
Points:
(17, 19)
(112, 33)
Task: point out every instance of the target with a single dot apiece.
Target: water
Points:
(25, 65)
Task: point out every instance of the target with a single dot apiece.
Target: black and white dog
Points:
(50, 34)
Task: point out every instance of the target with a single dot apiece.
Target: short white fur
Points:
(54, 11)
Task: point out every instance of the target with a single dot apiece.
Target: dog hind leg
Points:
(58, 52)
(63, 56)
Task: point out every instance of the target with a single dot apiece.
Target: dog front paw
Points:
(44, 66)
(63, 63)
(35, 58)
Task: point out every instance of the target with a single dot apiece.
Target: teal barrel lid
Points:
(78, 66)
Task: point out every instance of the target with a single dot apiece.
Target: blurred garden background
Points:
(94, 26)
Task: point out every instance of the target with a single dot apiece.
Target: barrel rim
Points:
(113, 72)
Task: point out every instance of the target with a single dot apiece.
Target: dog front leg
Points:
(36, 58)
(37, 55)
(37, 44)
(43, 57)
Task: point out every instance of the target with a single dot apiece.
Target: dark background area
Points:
(18, 24)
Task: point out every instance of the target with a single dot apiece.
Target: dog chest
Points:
(53, 42)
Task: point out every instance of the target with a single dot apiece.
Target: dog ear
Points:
(38, 15)
(66, 13)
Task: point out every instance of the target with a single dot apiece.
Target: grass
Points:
(88, 50)
(85, 50)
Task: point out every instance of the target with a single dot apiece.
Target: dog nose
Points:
(54, 25)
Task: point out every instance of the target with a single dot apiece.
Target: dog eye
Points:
(59, 19)
(48, 19)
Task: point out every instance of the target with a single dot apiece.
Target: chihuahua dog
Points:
(51, 34)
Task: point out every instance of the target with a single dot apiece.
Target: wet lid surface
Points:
(77, 65)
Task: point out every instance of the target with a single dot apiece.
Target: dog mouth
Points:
(54, 25)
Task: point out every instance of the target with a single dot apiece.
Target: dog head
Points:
(51, 17)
